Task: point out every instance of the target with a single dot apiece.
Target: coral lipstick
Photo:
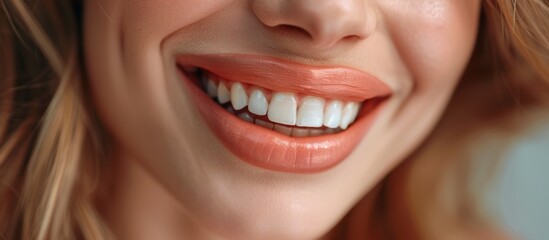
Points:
(272, 150)
(286, 76)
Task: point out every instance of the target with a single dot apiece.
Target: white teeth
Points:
(311, 112)
(332, 114)
(211, 88)
(283, 108)
(349, 114)
(239, 98)
(258, 103)
(223, 94)
(283, 129)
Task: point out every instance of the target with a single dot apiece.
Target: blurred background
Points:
(522, 195)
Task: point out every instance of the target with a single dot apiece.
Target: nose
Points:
(324, 22)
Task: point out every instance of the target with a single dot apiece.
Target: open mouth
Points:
(291, 114)
(281, 115)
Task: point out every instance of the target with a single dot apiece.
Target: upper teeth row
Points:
(284, 108)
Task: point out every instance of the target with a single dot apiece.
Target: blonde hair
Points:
(51, 144)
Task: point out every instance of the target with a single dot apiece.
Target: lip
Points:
(269, 149)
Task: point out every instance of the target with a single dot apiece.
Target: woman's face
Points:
(300, 71)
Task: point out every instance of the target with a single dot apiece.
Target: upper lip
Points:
(282, 75)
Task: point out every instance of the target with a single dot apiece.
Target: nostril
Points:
(320, 39)
(352, 38)
(293, 30)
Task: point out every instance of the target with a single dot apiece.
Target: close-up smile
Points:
(272, 120)
(282, 115)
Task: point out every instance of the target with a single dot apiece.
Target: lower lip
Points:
(271, 150)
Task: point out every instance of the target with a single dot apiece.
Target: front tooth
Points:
(349, 114)
(311, 112)
(258, 103)
(332, 114)
(283, 108)
(239, 98)
(223, 94)
(211, 88)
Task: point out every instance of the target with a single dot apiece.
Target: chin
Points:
(260, 222)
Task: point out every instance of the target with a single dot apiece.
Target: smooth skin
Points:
(170, 178)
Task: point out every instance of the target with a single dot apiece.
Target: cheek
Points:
(434, 37)
(149, 21)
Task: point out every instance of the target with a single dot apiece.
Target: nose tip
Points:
(325, 22)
